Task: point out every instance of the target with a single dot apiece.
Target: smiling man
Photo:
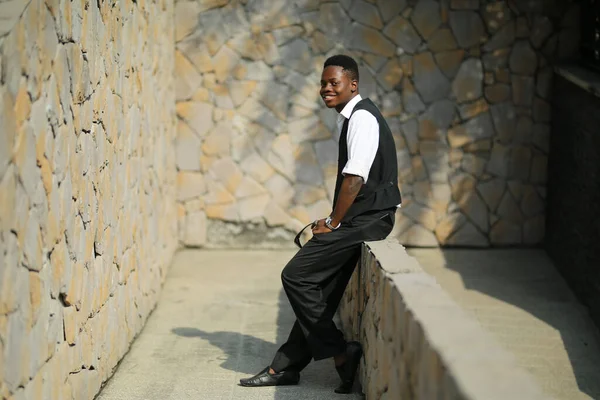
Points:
(365, 201)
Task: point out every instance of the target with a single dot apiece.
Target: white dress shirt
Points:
(362, 139)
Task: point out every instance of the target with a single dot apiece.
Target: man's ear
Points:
(354, 86)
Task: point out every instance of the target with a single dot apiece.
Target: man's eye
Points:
(333, 83)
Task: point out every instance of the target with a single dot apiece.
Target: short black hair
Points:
(347, 63)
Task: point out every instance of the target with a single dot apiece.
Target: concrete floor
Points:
(520, 298)
(221, 317)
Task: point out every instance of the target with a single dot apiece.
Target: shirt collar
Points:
(347, 111)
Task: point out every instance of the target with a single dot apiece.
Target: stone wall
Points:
(574, 187)
(464, 85)
(87, 187)
(418, 343)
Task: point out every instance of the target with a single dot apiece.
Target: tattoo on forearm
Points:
(354, 184)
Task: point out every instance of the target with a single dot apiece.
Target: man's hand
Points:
(319, 227)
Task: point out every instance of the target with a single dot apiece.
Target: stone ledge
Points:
(585, 78)
(419, 343)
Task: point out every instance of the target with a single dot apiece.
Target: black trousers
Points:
(314, 281)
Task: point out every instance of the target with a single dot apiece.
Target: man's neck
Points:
(340, 107)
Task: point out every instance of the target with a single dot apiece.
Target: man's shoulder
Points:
(367, 104)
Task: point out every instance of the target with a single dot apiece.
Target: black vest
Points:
(381, 190)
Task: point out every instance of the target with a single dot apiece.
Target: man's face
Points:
(337, 88)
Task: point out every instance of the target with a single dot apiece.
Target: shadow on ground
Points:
(520, 297)
(320, 377)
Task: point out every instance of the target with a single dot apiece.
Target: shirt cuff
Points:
(356, 168)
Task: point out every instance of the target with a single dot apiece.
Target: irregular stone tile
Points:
(468, 235)
(520, 161)
(369, 40)
(523, 59)
(541, 30)
(391, 104)
(227, 172)
(271, 14)
(390, 75)
(320, 43)
(186, 15)
(497, 93)
(523, 89)
(499, 160)
(468, 84)
(467, 28)
(190, 185)
(505, 233)
(524, 130)
(257, 71)
(195, 229)
(257, 112)
(532, 204)
(296, 55)
(212, 30)
(501, 39)
(411, 99)
(450, 61)
(225, 62)
(522, 28)
(308, 129)
(464, 4)
(307, 169)
(426, 17)
(491, 192)
(240, 91)
(253, 208)
(496, 15)
(365, 13)
(420, 215)
(473, 130)
(430, 82)
(437, 118)
(410, 132)
(435, 158)
(496, 60)
(255, 166)
(505, 120)
(374, 61)
(417, 235)
(281, 156)
(390, 9)
(275, 96)
(327, 153)
(187, 149)
(471, 110)
(473, 165)
(275, 215)
(248, 187)
(286, 34)
(280, 189)
(403, 34)
(442, 40)
(328, 20)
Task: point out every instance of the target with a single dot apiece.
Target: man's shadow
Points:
(247, 354)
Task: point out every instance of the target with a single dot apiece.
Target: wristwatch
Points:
(328, 224)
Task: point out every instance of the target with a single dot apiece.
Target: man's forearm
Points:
(351, 185)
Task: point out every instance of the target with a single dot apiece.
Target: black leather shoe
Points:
(264, 378)
(347, 371)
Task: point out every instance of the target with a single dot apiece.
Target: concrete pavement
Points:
(521, 299)
(221, 317)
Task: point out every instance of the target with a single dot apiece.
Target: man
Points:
(365, 201)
